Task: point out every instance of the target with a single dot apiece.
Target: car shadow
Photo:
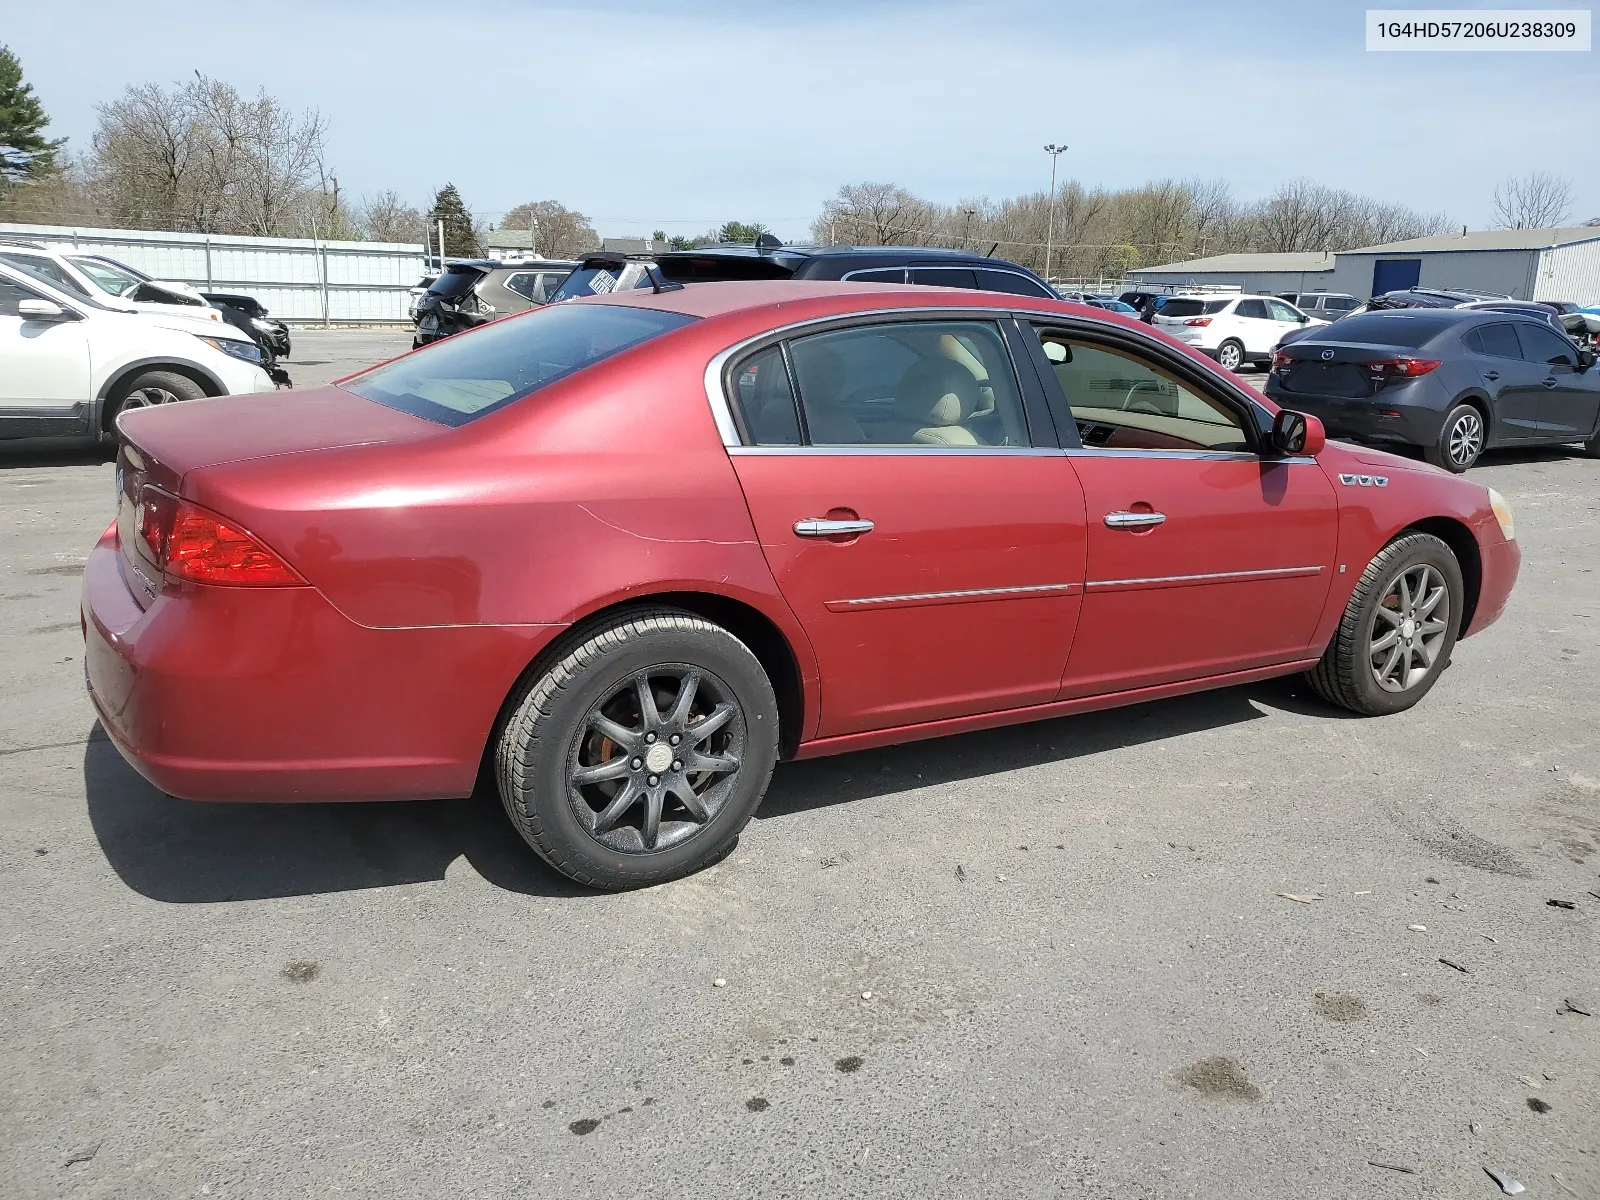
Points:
(1516, 455)
(181, 852)
(54, 452)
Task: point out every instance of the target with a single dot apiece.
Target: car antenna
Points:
(766, 243)
(992, 249)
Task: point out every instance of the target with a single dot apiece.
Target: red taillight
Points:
(1281, 360)
(1199, 321)
(1404, 367)
(195, 545)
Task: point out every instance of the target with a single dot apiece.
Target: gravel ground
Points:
(1050, 960)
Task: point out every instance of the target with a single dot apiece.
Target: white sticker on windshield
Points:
(603, 281)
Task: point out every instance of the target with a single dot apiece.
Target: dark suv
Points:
(769, 259)
(472, 293)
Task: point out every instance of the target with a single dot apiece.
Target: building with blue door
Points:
(1526, 264)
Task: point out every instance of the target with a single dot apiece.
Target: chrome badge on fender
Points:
(1364, 480)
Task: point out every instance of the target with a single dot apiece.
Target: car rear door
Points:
(1204, 557)
(1285, 317)
(915, 514)
(1514, 384)
(1570, 403)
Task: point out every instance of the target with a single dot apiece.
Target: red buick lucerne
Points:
(626, 553)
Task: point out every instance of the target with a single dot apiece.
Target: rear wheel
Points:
(1460, 441)
(639, 755)
(150, 389)
(1397, 631)
(1230, 354)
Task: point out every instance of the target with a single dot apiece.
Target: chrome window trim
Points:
(849, 275)
(917, 599)
(873, 449)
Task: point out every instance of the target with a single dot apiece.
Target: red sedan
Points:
(627, 553)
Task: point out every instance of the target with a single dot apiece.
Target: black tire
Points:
(1230, 355)
(1461, 439)
(564, 722)
(1347, 675)
(148, 389)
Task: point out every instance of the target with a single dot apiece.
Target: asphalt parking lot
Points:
(1188, 949)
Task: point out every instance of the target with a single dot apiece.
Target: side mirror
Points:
(42, 310)
(1585, 359)
(1294, 434)
(1303, 318)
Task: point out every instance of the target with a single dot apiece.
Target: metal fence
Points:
(298, 279)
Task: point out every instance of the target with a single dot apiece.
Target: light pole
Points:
(1055, 152)
(966, 234)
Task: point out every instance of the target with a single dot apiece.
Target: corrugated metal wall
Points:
(1506, 272)
(297, 279)
(1570, 273)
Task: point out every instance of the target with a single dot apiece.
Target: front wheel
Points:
(1397, 631)
(1230, 354)
(149, 389)
(1460, 440)
(639, 754)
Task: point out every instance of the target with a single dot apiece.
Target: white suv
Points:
(1233, 330)
(69, 364)
(113, 284)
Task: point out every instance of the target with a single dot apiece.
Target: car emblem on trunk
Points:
(1326, 355)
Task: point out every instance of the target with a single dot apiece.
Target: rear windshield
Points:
(1177, 307)
(1407, 328)
(589, 281)
(462, 378)
(455, 283)
(719, 268)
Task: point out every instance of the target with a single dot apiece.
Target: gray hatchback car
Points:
(1451, 381)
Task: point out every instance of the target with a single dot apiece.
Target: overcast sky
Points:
(680, 114)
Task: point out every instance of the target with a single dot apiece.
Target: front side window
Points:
(12, 294)
(1011, 283)
(933, 384)
(464, 377)
(47, 270)
(1542, 346)
(1121, 401)
(1283, 312)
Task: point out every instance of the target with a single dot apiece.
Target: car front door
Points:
(1284, 317)
(44, 364)
(1256, 328)
(1570, 403)
(915, 514)
(1205, 558)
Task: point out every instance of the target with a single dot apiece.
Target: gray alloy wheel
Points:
(640, 748)
(150, 389)
(1461, 440)
(1398, 629)
(1230, 355)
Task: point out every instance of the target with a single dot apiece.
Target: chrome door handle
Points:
(817, 527)
(1134, 520)
(1550, 382)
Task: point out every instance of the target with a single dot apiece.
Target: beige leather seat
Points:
(933, 401)
(820, 373)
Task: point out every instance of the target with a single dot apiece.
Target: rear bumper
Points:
(271, 694)
(1501, 562)
(1392, 419)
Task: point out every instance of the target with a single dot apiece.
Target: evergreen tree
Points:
(460, 239)
(25, 153)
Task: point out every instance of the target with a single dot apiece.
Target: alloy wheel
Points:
(1230, 356)
(1408, 628)
(1466, 439)
(149, 397)
(656, 759)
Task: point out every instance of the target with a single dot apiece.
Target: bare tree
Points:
(200, 156)
(876, 214)
(563, 232)
(387, 218)
(1537, 200)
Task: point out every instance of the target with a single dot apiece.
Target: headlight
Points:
(249, 351)
(264, 326)
(1502, 513)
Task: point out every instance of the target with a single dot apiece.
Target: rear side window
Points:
(1340, 303)
(525, 285)
(1011, 283)
(1542, 346)
(464, 377)
(1180, 307)
(721, 268)
(1407, 328)
(1252, 308)
(1497, 340)
(956, 277)
(1215, 306)
(765, 400)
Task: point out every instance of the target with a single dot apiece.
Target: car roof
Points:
(719, 299)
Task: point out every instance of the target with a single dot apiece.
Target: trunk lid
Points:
(1318, 368)
(160, 446)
